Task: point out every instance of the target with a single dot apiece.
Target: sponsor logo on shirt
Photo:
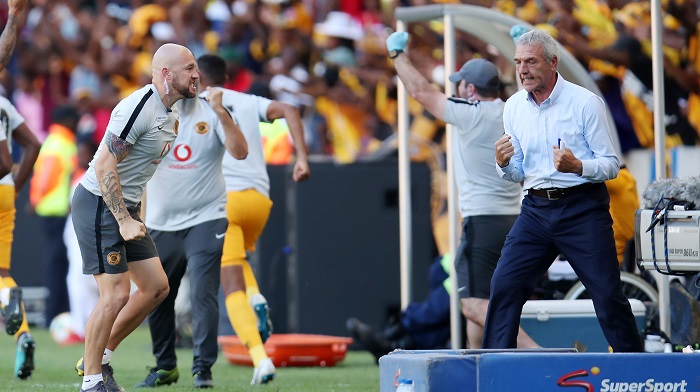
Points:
(182, 152)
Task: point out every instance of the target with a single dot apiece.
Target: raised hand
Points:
(504, 150)
(516, 31)
(15, 7)
(397, 41)
(214, 96)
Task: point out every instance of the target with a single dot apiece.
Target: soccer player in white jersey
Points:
(186, 217)
(140, 133)
(12, 126)
(248, 208)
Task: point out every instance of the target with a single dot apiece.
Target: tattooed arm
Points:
(108, 180)
(9, 34)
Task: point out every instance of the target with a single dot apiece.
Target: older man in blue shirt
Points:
(558, 142)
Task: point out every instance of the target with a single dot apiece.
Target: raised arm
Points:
(9, 34)
(235, 142)
(108, 180)
(291, 115)
(416, 84)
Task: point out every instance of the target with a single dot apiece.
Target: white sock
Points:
(91, 380)
(5, 296)
(107, 356)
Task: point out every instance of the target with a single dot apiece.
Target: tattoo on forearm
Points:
(117, 146)
(112, 194)
(7, 40)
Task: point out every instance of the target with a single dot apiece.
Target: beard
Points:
(183, 89)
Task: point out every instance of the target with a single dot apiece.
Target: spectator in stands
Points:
(632, 52)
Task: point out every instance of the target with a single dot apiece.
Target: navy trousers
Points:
(578, 226)
(428, 322)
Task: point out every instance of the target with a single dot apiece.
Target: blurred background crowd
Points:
(328, 57)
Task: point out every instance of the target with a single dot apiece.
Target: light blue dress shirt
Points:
(572, 115)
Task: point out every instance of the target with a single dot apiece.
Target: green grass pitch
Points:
(358, 372)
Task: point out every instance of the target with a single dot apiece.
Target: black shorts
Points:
(478, 252)
(101, 245)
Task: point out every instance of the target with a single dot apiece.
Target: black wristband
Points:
(394, 53)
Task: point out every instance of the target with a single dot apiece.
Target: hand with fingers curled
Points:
(504, 150)
(214, 97)
(566, 162)
(131, 229)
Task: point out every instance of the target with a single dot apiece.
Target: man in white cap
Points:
(489, 205)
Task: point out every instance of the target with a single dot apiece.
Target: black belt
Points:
(558, 193)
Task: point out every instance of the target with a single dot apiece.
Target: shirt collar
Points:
(556, 91)
(157, 94)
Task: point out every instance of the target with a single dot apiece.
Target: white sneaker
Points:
(262, 313)
(264, 373)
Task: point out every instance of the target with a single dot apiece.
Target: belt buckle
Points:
(551, 194)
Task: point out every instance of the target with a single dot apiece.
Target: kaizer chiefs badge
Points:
(113, 258)
(177, 124)
(201, 128)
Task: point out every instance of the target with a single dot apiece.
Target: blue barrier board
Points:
(462, 371)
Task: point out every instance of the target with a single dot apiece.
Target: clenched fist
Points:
(566, 162)
(504, 150)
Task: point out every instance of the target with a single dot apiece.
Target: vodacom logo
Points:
(182, 152)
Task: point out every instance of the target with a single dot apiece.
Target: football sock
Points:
(258, 353)
(9, 283)
(107, 356)
(251, 284)
(245, 324)
(5, 285)
(90, 381)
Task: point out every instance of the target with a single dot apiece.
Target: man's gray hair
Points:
(542, 39)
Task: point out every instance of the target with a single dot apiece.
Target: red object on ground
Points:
(291, 350)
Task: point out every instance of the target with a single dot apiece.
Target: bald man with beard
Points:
(114, 242)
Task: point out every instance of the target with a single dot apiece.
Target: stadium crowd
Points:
(328, 58)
